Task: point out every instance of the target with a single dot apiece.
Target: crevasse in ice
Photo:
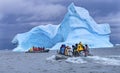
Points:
(77, 26)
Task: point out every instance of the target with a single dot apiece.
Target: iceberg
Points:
(77, 26)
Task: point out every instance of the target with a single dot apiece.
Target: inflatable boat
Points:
(41, 51)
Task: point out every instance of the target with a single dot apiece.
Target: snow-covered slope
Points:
(76, 26)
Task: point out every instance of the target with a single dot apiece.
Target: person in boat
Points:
(62, 49)
(40, 49)
(68, 51)
(80, 47)
(43, 48)
(73, 47)
(76, 53)
(86, 50)
(30, 50)
(34, 48)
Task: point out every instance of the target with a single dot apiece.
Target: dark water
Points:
(6, 44)
(8, 32)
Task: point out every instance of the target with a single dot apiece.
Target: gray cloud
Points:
(35, 11)
(25, 11)
(111, 18)
(101, 7)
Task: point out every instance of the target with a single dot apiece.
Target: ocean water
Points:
(107, 61)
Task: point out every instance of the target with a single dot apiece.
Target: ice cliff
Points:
(76, 26)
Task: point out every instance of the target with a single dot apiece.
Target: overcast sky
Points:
(17, 16)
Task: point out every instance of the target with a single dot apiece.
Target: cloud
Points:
(1, 16)
(36, 11)
(101, 7)
(110, 18)
(43, 12)
(27, 11)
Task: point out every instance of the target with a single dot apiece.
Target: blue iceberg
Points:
(77, 26)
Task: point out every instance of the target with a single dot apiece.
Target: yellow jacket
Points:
(80, 47)
(31, 49)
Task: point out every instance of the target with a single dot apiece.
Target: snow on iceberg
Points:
(76, 26)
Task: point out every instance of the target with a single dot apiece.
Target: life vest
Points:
(66, 52)
(31, 49)
(35, 49)
(62, 49)
(80, 47)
